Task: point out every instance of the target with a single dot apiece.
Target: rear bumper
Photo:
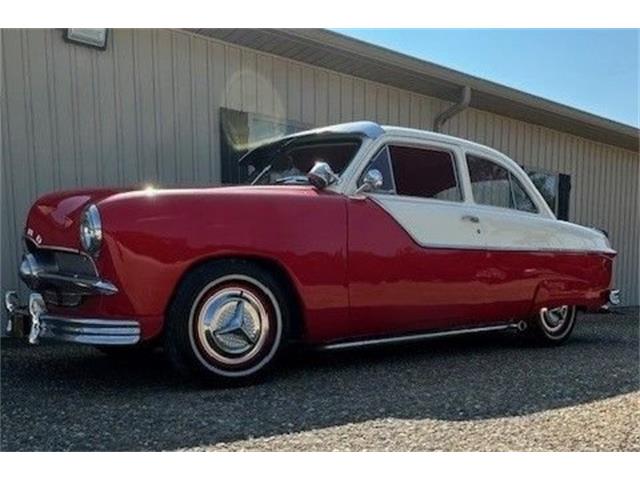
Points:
(614, 297)
(87, 331)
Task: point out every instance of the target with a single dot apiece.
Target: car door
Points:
(515, 234)
(415, 246)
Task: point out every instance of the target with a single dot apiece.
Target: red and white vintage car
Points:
(348, 235)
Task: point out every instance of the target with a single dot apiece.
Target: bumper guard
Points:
(88, 331)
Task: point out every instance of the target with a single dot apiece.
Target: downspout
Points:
(453, 110)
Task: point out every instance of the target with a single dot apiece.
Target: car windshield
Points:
(287, 161)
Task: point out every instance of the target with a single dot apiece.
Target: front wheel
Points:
(552, 326)
(227, 322)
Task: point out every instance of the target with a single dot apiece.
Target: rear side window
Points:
(494, 185)
(426, 173)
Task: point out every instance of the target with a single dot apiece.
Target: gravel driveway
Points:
(488, 392)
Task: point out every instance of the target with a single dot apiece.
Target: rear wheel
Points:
(227, 322)
(552, 326)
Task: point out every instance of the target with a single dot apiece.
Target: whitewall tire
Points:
(228, 321)
(553, 326)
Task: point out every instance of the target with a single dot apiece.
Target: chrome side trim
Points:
(415, 337)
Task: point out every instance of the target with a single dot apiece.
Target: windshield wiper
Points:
(264, 171)
(297, 179)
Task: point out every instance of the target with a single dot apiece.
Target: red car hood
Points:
(53, 219)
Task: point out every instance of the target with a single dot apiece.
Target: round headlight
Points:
(91, 230)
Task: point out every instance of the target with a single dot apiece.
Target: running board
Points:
(420, 336)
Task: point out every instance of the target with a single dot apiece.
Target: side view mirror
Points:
(371, 182)
(321, 175)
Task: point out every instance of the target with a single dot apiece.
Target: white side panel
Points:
(441, 224)
(506, 230)
(432, 223)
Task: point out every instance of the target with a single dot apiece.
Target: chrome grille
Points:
(63, 262)
(73, 263)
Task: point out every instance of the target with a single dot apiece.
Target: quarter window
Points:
(426, 173)
(494, 185)
(381, 163)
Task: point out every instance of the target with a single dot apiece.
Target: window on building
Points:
(555, 188)
(494, 185)
(426, 173)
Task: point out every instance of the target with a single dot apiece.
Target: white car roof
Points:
(441, 137)
(373, 130)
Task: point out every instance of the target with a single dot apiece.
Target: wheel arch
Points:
(274, 266)
(546, 294)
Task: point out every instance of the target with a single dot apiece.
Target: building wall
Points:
(147, 110)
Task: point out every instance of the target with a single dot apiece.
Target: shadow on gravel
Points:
(75, 398)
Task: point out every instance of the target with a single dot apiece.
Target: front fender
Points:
(150, 242)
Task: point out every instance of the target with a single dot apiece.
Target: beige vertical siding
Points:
(146, 110)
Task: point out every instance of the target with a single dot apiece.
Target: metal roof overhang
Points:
(344, 54)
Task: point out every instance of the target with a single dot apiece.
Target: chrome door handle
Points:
(470, 218)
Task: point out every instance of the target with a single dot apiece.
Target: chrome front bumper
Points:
(88, 331)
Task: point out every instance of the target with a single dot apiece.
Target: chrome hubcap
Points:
(554, 319)
(232, 325)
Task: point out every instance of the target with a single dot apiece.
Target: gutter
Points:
(453, 110)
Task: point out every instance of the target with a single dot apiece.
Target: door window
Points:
(494, 185)
(425, 173)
